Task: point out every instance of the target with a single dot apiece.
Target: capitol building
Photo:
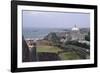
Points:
(75, 34)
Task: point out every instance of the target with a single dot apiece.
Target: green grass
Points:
(51, 49)
(69, 56)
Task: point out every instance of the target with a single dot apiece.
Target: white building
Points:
(75, 35)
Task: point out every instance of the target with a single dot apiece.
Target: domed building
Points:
(73, 35)
(76, 35)
(75, 28)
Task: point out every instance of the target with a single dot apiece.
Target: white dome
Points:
(75, 28)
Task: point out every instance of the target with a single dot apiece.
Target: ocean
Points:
(38, 33)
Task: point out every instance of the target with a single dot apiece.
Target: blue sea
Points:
(38, 33)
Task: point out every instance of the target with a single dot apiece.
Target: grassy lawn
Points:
(69, 56)
(51, 49)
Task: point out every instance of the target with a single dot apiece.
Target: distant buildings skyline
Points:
(40, 19)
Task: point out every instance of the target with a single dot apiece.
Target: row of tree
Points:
(83, 45)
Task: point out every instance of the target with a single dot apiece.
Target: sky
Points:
(44, 19)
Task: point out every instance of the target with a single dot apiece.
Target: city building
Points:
(76, 35)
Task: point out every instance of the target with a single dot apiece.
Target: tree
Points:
(87, 37)
(55, 39)
(84, 45)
